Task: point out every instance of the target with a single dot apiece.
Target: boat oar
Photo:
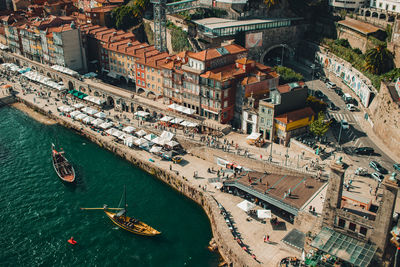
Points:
(101, 208)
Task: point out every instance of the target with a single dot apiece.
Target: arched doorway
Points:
(382, 16)
(110, 101)
(390, 18)
(49, 75)
(151, 95)
(70, 85)
(276, 54)
(139, 108)
(368, 13)
(140, 91)
(374, 14)
(96, 94)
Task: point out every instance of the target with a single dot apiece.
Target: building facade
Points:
(388, 5)
(283, 99)
(350, 5)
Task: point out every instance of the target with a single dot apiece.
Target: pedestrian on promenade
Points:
(265, 238)
(170, 167)
(268, 238)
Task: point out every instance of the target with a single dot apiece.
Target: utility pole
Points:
(287, 155)
(270, 152)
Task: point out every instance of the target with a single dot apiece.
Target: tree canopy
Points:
(378, 60)
(125, 17)
(318, 127)
(287, 75)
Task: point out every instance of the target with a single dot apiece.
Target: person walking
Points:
(268, 238)
(265, 238)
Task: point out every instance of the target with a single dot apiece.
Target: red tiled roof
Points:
(213, 53)
(286, 87)
(295, 115)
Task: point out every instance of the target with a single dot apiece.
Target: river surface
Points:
(38, 213)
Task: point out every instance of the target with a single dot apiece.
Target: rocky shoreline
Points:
(222, 237)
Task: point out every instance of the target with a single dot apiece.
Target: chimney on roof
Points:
(129, 44)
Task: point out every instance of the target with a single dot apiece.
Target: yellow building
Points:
(292, 123)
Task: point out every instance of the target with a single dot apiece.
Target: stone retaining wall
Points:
(227, 246)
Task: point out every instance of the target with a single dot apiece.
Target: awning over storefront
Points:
(77, 94)
(344, 247)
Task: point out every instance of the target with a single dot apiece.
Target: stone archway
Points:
(390, 18)
(139, 108)
(96, 94)
(151, 95)
(82, 89)
(368, 13)
(110, 101)
(141, 91)
(374, 15)
(289, 51)
(382, 16)
(147, 110)
(70, 85)
(49, 75)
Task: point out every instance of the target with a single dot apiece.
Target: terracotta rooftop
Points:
(295, 115)
(223, 73)
(359, 26)
(290, 86)
(102, 9)
(213, 53)
(244, 61)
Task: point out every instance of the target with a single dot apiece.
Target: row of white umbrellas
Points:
(178, 121)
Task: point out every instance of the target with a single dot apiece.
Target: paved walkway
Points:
(252, 231)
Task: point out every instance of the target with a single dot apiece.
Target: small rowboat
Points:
(62, 166)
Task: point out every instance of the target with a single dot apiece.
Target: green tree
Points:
(378, 60)
(343, 42)
(270, 3)
(179, 40)
(318, 127)
(287, 75)
(125, 17)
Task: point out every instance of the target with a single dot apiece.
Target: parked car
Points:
(176, 159)
(347, 98)
(319, 94)
(330, 85)
(377, 176)
(351, 107)
(323, 78)
(345, 124)
(332, 106)
(361, 171)
(377, 167)
(338, 91)
(364, 150)
(396, 166)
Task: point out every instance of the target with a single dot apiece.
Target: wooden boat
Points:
(127, 223)
(62, 167)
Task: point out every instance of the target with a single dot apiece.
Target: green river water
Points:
(38, 213)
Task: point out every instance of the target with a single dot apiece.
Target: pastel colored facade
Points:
(53, 41)
(283, 99)
(100, 15)
(292, 124)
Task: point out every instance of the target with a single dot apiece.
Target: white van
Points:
(347, 97)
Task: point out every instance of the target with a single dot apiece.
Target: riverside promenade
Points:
(200, 188)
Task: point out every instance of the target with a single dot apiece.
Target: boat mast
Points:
(125, 201)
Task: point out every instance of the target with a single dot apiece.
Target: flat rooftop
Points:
(217, 23)
(302, 188)
(359, 26)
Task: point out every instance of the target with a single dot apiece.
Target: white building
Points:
(388, 5)
(354, 79)
(348, 4)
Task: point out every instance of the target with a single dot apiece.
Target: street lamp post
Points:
(312, 76)
(287, 155)
(283, 50)
(270, 152)
(340, 133)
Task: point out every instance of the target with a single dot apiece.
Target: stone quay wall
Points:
(227, 246)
